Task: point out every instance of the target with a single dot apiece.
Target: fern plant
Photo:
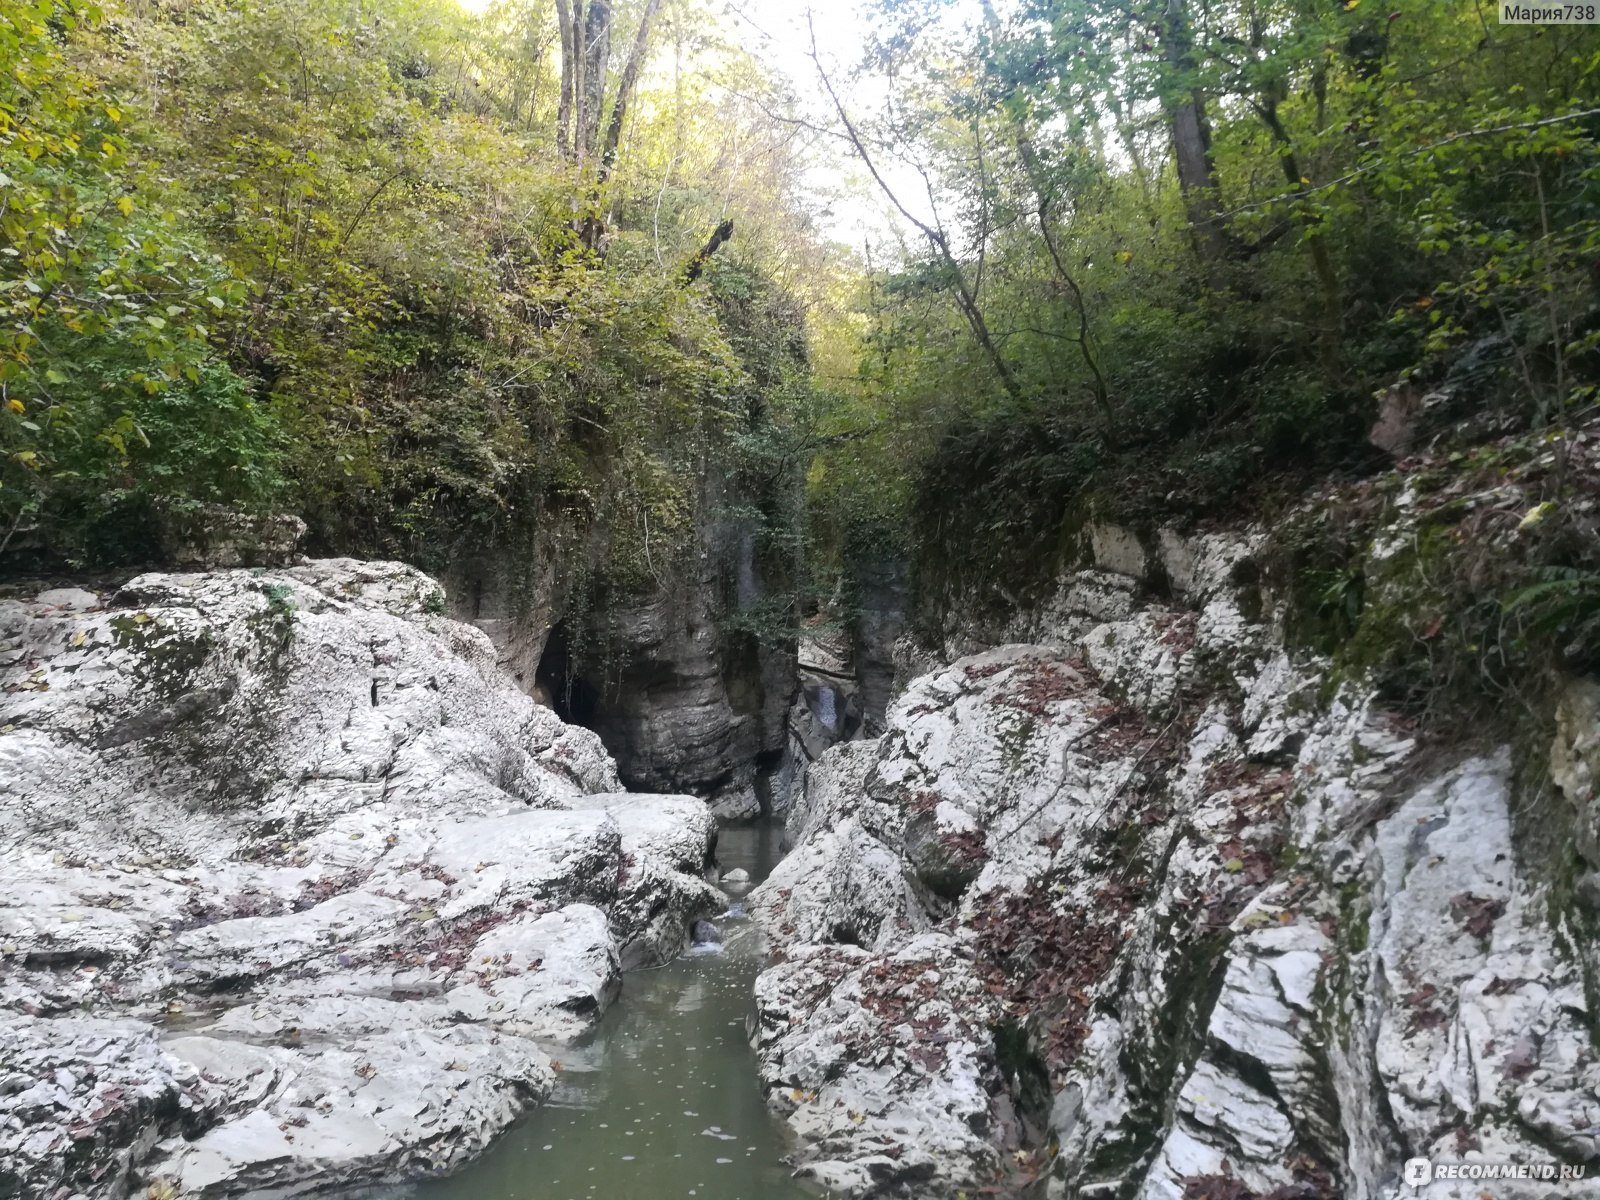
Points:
(1562, 607)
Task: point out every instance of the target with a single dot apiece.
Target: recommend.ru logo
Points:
(1419, 1172)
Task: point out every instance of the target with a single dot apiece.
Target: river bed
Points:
(663, 1101)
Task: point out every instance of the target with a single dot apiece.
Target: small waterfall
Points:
(746, 590)
(827, 710)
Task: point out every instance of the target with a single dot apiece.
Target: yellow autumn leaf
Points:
(16, 406)
(1536, 515)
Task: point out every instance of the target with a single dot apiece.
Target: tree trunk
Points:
(596, 53)
(593, 227)
(565, 18)
(630, 79)
(697, 264)
(1332, 338)
(1191, 136)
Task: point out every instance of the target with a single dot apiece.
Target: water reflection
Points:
(663, 1103)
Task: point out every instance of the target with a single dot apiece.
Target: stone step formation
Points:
(296, 889)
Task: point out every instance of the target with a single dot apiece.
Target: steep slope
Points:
(1147, 905)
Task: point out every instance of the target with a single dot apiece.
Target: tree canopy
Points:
(1164, 253)
(347, 258)
(449, 283)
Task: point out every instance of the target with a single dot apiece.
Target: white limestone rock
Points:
(1081, 601)
(880, 1064)
(841, 882)
(68, 599)
(1119, 550)
(547, 977)
(83, 1099)
(841, 886)
(1202, 566)
(385, 1107)
(304, 814)
(1482, 1016)
(666, 847)
(833, 788)
(1254, 946)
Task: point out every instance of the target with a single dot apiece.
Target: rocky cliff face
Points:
(294, 884)
(846, 670)
(684, 702)
(881, 612)
(683, 695)
(1142, 905)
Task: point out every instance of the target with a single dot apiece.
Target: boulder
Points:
(384, 1108)
(211, 536)
(83, 1100)
(881, 1065)
(303, 818)
(666, 850)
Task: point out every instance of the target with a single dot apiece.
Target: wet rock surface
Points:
(686, 699)
(295, 888)
(1145, 907)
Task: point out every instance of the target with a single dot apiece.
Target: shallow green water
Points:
(663, 1103)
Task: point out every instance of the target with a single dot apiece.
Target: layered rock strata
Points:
(296, 889)
(1146, 906)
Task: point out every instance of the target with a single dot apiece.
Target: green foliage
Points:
(979, 552)
(1382, 196)
(279, 598)
(110, 390)
(771, 439)
(323, 255)
(1484, 592)
(1562, 608)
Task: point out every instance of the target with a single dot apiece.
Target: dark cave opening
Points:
(574, 698)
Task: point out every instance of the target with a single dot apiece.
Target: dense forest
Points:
(946, 598)
(381, 266)
(1167, 254)
(449, 284)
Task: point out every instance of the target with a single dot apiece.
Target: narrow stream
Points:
(663, 1101)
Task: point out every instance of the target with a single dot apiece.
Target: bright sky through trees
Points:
(850, 208)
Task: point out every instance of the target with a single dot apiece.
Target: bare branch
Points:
(964, 298)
